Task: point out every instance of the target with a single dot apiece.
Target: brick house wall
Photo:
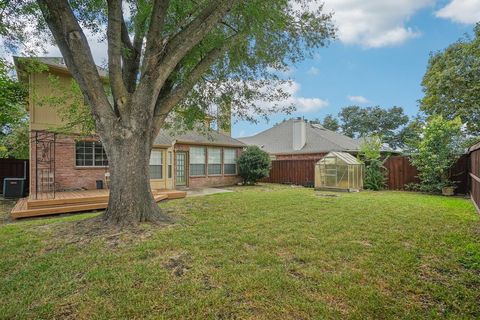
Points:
(209, 180)
(67, 175)
(70, 177)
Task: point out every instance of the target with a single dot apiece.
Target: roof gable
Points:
(210, 137)
(279, 140)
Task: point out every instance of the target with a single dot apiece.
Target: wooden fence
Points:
(401, 172)
(13, 168)
(298, 172)
(474, 173)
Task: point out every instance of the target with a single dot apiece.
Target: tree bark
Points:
(131, 200)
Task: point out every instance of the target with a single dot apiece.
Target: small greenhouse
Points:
(339, 171)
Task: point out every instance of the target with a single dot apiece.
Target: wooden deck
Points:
(76, 201)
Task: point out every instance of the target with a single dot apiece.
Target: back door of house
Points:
(181, 168)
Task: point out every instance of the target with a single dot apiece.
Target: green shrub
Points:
(436, 152)
(253, 164)
(375, 172)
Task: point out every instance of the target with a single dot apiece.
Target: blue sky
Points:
(380, 58)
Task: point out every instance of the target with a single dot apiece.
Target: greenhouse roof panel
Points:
(345, 157)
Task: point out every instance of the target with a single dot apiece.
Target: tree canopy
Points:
(13, 116)
(331, 123)
(245, 46)
(357, 122)
(451, 83)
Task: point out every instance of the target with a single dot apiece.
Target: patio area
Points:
(75, 201)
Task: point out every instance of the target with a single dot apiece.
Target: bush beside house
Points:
(253, 165)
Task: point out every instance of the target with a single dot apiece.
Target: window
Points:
(229, 161)
(170, 164)
(214, 161)
(90, 154)
(197, 161)
(156, 164)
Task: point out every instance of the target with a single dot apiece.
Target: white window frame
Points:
(170, 165)
(155, 163)
(212, 161)
(194, 160)
(228, 161)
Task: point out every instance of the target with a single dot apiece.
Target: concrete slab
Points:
(205, 191)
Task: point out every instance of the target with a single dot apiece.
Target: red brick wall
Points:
(209, 181)
(67, 175)
(70, 177)
(309, 156)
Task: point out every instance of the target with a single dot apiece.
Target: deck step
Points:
(59, 202)
(22, 209)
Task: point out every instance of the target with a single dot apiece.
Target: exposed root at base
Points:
(98, 229)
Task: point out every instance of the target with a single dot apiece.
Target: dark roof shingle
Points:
(279, 140)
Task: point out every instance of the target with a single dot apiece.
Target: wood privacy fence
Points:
(12, 168)
(298, 172)
(474, 173)
(400, 173)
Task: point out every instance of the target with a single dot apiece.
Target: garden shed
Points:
(339, 171)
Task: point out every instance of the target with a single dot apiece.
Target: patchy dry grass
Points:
(266, 252)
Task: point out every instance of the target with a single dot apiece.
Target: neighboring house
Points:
(300, 140)
(69, 162)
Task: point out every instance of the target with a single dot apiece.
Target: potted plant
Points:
(448, 189)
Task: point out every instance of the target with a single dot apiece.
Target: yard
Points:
(264, 252)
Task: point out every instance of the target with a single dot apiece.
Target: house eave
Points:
(203, 143)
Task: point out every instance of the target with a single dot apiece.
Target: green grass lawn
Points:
(264, 252)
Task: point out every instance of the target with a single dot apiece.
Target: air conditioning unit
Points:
(14, 187)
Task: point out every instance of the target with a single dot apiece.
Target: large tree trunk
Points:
(131, 200)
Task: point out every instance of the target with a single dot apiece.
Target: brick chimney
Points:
(299, 133)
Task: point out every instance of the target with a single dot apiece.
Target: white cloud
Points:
(358, 99)
(313, 71)
(302, 104)
(463, 11)
(374, 23)
(286, 72)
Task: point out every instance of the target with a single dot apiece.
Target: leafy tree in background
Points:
(436, 152)
(411, 133)
(175, 59)
(253, 164)
(16, 143)
(359, 122)
(12, 99)
(452, 83)
(13, 117)
(331, 123)
(375, 172)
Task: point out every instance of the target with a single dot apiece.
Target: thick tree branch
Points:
(154, 36)
(167, 101)
(114, 36)
(131, 56)
(75, 50)
(159, 68)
